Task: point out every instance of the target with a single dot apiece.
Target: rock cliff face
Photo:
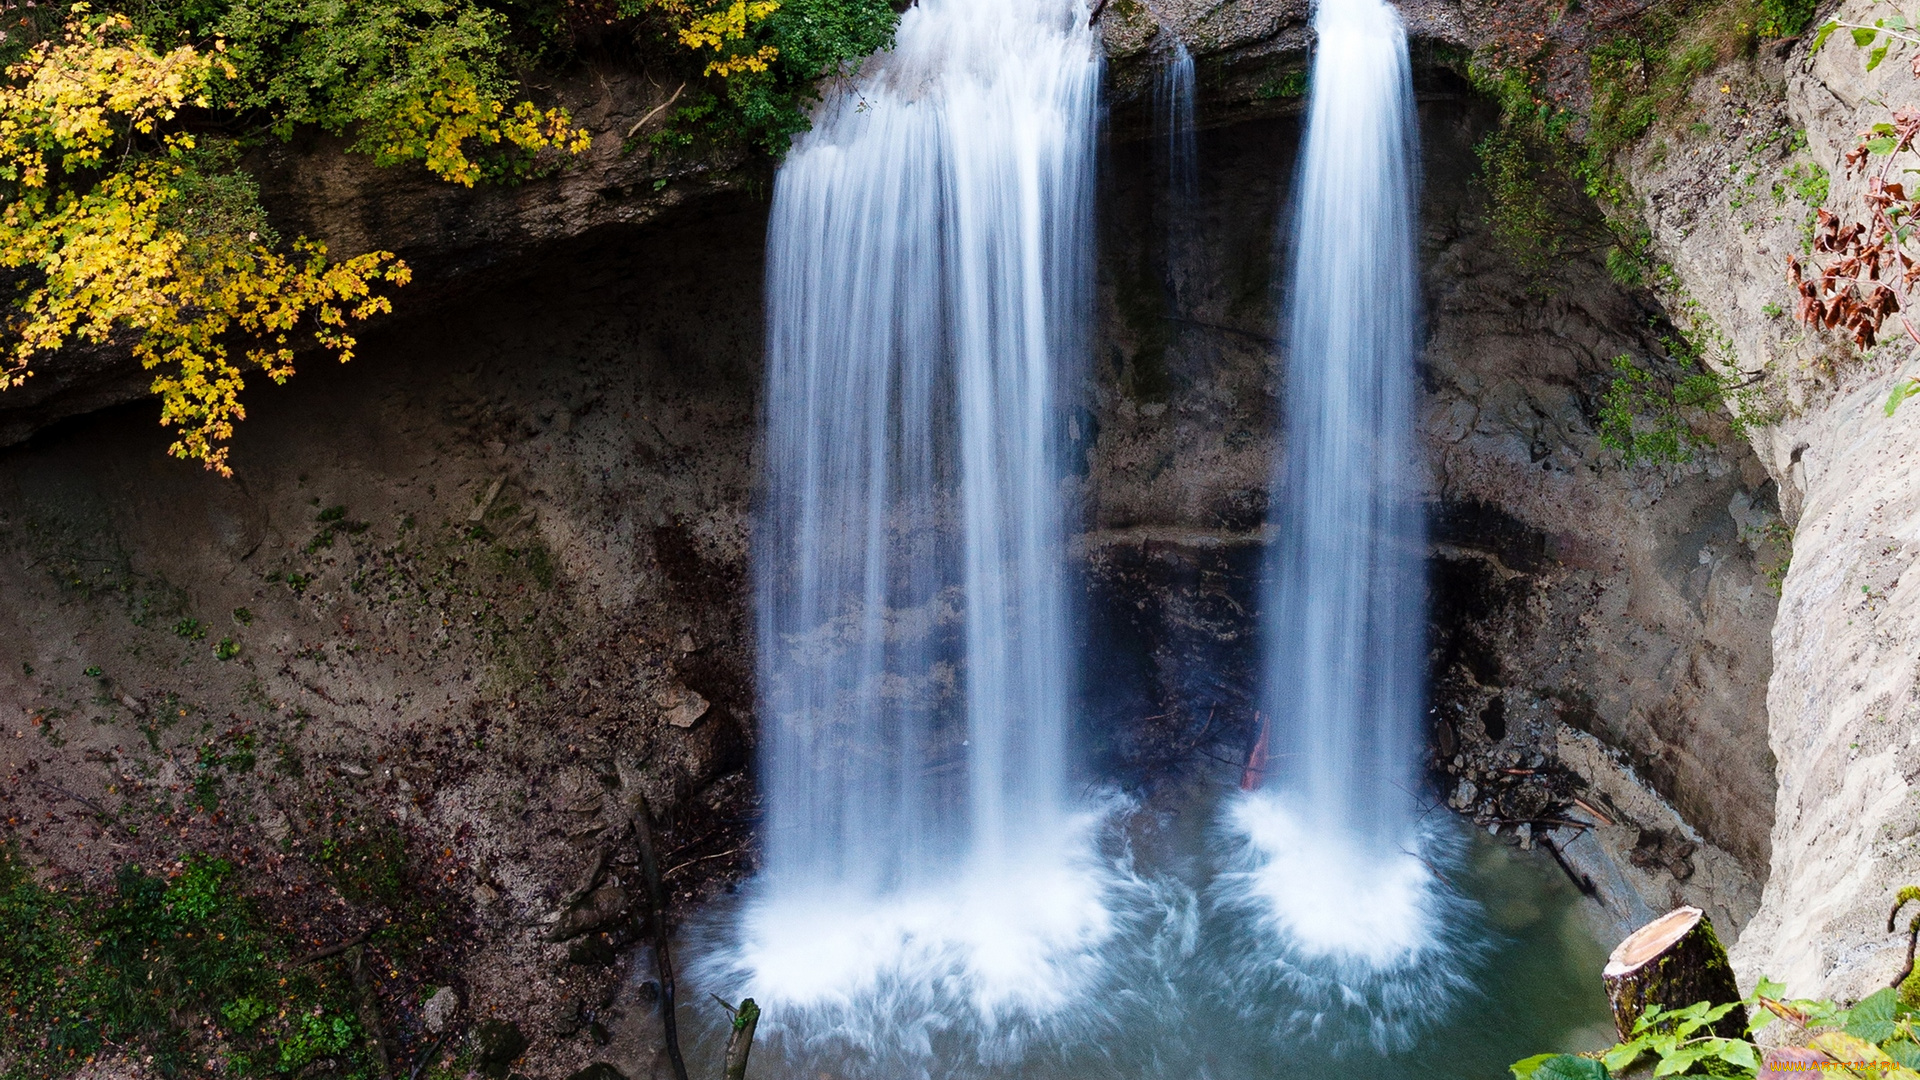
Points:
(1841, 702)
(471, 592)
(1574, 599)
(1725, 189)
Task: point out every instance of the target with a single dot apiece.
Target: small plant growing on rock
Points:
(1872, 265)
(1878, 1036)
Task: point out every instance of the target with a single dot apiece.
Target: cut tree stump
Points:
(1672, 962)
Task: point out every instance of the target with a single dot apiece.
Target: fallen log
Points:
(1672, 962)
(656, 904)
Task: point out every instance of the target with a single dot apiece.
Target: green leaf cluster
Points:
(408, 80)
(1785, 18)
(1880, 38)
(1649, 415)
(805, 42)
(1878, 1031)
(152, 964)
(1520, 205)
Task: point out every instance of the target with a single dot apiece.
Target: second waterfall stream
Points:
(1332, 865)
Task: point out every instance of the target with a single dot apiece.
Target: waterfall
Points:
(1331, 838)
(1179, 160)
(929, 284)
(1173, 93)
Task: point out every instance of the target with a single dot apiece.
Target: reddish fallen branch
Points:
(1256, 770)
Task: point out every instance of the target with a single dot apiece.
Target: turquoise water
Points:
(1186, 989)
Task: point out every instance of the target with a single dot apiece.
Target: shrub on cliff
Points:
(763, 61)
(120, 227)
(127, 222)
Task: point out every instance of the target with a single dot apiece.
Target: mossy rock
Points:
(496, 1044)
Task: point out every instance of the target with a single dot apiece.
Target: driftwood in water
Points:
(740, 1044)
(1580, 881)
(1672, 962)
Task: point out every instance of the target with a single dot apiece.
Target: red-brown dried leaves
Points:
(1850, 294)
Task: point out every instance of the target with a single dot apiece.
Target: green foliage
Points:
(1524, 221)
(1808, 181)
(411, 80)
(1649, 416)
(1559, 1067)
(769, 60)
(1535, 174)
(1624, 72)
(1785, 18)
(1629, 260)
(1878, 1034)
(244, 1012)
(315, 1036)
(147, 965)
(195, 894)
(1879, 38)
(1680, 1040)
(39, 954)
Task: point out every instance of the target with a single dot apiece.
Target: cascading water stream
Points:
(928, 287)
(1178, 156)
(1331, 858)
(1344, 644)
(1173, 126)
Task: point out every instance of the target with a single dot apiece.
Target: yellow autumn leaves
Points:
(115, 256)
(436, 128)
(722, 29)
(107, 223)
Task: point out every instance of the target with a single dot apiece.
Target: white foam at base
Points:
(994, 955)
(1325, 894)
(1356, 948)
